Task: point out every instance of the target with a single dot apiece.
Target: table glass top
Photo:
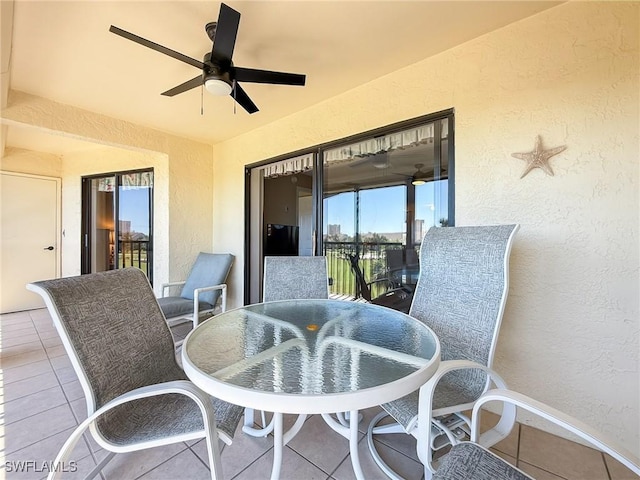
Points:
(310, 346)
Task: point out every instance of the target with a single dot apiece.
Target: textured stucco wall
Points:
(569, 74)
(184, 211)
(34, 163)
(104, 160)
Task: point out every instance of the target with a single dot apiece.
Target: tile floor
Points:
(42, 402)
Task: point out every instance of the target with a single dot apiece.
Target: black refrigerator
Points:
(280, 239)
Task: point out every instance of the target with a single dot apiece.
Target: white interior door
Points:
(29, 238)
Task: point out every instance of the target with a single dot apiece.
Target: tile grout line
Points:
(346, 457)
(164, 462)
(606, 467)
(258, 458)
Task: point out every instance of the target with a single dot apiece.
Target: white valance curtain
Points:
(386, 143)
(130, 181)
(289, 166)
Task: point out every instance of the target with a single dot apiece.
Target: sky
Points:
(134, 206)
(383, 209)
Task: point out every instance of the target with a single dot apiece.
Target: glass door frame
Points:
(86, 220)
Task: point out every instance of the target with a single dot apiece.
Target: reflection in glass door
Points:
(380, 196)
(117, 221)
(364, 203)
(281, 217)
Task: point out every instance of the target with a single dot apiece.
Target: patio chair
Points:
(122, 351)
(202, 289)
(398, 298)
(289, 278)
(470, 460)
(460, 295)
(401, 271)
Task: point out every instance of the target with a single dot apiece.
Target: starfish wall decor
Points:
(538, 158)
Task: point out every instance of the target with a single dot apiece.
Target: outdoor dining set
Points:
(300, 352)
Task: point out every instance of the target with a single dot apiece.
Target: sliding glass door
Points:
(365, 203)
(117, 219)
(281, 218)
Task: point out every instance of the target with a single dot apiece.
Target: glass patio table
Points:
(311, 357)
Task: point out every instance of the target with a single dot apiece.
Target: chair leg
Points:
(98, 468)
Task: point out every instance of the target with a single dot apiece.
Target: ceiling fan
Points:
(420, 177)
(219, 76)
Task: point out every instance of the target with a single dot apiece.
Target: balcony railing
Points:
(133, 253)
(373, 264)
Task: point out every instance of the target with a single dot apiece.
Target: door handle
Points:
(50, 247)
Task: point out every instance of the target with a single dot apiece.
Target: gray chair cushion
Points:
(289, 278)
(161, 416)
(470, 461)
(405, 409)
(209, 269)
(461, 290)
(176, 306)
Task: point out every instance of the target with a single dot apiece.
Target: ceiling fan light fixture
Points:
(218, 87)
(418, 181)
(380, 161)
(420, 177)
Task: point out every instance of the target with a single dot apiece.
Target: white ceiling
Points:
(63, 51)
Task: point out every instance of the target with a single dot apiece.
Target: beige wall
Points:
(105, 160)
(183, 223)
(33, 163)
(569, 74)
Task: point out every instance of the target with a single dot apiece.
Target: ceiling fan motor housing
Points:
(218, 70)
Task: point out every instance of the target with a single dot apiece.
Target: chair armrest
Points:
(575, 426)
(196, 299)
(166, 286)
(425, 407)
(183, 387)
(378, 280)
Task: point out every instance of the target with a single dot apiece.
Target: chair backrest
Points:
(288, 278)
(412, 257)
(394, 259)
(209, 269)
(113, 331)
(461, 293)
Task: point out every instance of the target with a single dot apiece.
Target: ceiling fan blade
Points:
(183, 87)
(266, 76)
(226, 31)
(243, 99)
(360, 162)
(156, 47)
